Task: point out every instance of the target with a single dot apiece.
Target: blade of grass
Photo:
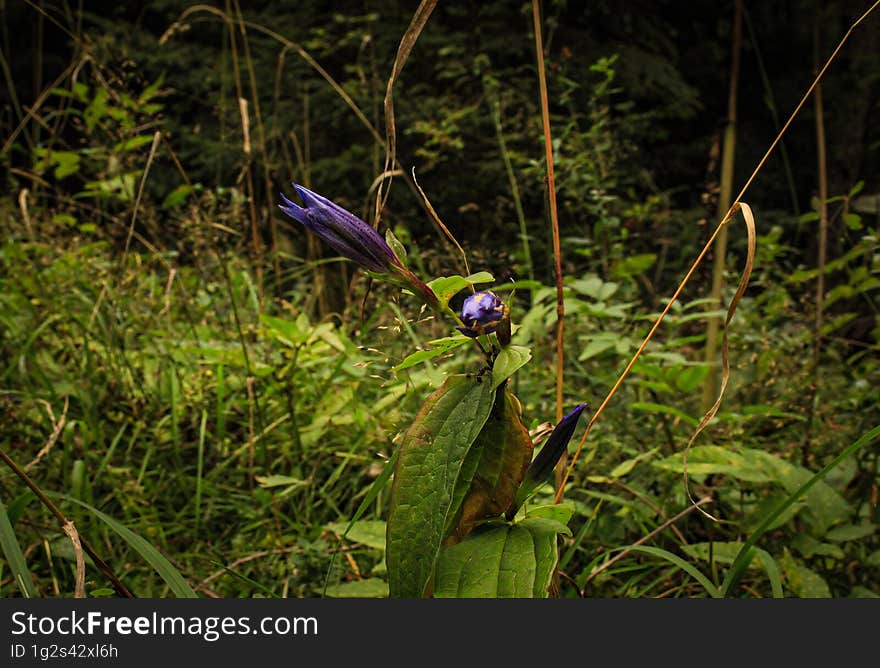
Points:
(151, 555)
(14, 557)
(743, 556)
(200, 462)
(712, 590)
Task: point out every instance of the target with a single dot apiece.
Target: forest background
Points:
(208, 393)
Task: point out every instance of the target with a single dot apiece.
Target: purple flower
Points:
(481, 313)
(542, 466)
(352, 238)
(344, 232)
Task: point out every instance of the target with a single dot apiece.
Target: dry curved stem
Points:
(419, 19)
(725, 351)
(708, 245)
(57, 426)
(73, 534)
(443, 227)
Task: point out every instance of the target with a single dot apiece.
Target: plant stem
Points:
(554, 224)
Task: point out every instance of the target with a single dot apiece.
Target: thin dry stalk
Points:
(57, 426)
(140, 193)
(554, 224)
(73, 534)
(407, 42)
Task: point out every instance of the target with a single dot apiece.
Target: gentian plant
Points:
(457, 525)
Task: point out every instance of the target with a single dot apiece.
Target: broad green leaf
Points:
(431, 456)
(558, 512)
(369, 532)
(446, 287)
(368, 588)
(691, 377)
(593, 286)
(509, 360)
(493, 469)
(823, 503)
(851, 532)
(14, 557)
(809, 547)
(501, 561)
(598, 344)
(151, 555)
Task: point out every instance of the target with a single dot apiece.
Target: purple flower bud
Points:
(481, 313)
(344, 232)
(542, 466)
(352, 238)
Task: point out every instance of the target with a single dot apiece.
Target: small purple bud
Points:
(481, 313)
(542, 466)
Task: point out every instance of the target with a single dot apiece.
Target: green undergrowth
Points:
(238, 437)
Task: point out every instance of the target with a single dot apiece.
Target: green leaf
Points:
(558, 512)
(824, 505)
(726, 553)
(395, 245)
(598, 344)
(493, 469)
(67, 163)
(368, 588)
(805, 582)
(132, 143)
(508, 361)
(431, 455)
(151, 555)
(691, 378)
(177, 196)
(424, 355)
(501, 561)
(14, 556)
(851, 532)
(369, 532)
(634, 265)
(446, 287)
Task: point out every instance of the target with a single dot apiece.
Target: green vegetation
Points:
(212, 397)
